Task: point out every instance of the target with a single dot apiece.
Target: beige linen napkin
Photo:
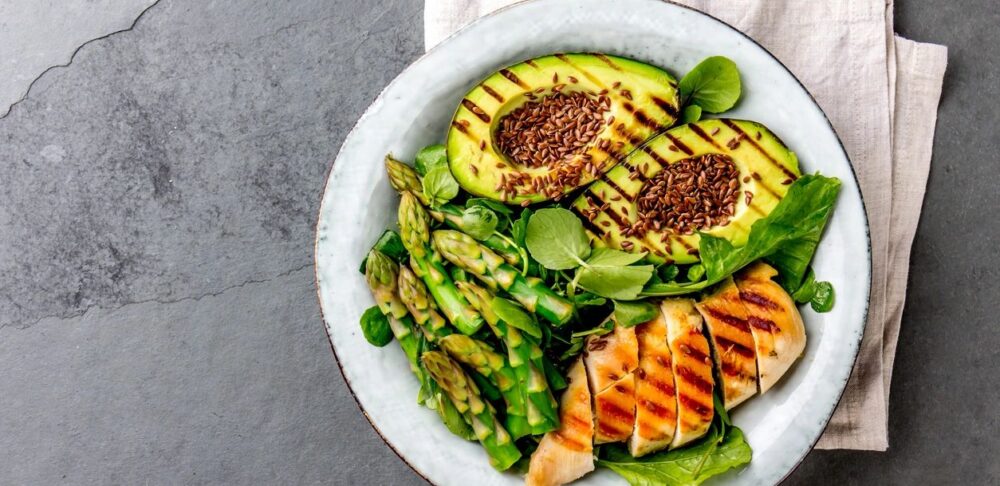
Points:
(881, 92)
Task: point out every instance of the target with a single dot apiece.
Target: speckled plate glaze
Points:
(414, 111)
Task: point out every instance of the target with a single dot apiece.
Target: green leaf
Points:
(555, 378)
(515, 316)
(695, 272)
(587, 299)
(609, 273)
(479, 222)
(714, 85)
(430, 157)
(503, 212)
(391, 245)
(628, 314)
(692, 113)
(823, 298)
(714, 454)
(375, 327)
(440, 186)
(806, 291)
(668, 272)
(786, 238)
(519, 228)
(556, 239)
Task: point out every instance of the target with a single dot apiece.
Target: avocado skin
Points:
(766, 168)
(644, 102)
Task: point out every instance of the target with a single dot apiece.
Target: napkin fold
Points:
(881, 93)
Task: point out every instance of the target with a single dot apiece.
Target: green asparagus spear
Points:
(463, 392)
(414, 294)
(525, 356)
(404, 178)
(415, 232)
(467, 254)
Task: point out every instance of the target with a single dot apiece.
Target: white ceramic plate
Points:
(414, 111)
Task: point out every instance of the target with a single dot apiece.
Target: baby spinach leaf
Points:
(556, 239)
(479, 222)
(692, 113)
(823, 298)
(714, 85)
(628, 314)
(375, 327)
(391, 245)
(430, 157)
(515, 316)
(439, 185)
(609, 273)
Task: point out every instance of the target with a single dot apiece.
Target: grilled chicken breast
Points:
(778, 333)
(692, 370)
(610, 361)
(567, 453)
(655, 399)
(730, 337)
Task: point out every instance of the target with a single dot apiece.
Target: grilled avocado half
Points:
(766, 167)
(642, 101)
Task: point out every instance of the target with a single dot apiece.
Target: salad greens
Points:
(375, 327)
(713, 85)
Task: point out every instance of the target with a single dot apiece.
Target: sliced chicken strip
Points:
(614, 411)
(655, 398)
(692, 370)
(730, 337)
(610, 361)
(778, 333)
(567, 453)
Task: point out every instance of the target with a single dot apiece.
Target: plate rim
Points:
(378, 99)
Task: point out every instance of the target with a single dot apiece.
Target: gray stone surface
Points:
(158, 322)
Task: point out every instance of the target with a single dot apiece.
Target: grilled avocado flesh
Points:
(714, 176)
(539, 129)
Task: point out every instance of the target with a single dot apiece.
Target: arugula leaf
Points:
(722, 449)
(391, 245)
(786, 238)
(556, 239)
(629, 314)
(823, 298)
(714, 85)
(375, 327)
(692, 113)
(515, 316)
(609, 273)
(439, 185)
(479, 222)
(430, 157)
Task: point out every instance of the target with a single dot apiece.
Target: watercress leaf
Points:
(519, 228)
(668, 272)
(610, 257)
(439, 185)
(391, 245)
(430, 157)
(515, 316)
(503, 212)
(692, 113)
(628, 314)
(375, 327)
(614, 281)
(823, 298)
(479, 222)
(695, 272)
(587, 299)
(714, 85)
(556, 239)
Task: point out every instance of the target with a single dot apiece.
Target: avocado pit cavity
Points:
(552, 130)
(689, 195)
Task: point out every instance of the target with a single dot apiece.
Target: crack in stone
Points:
(72, 56)
(190, 298)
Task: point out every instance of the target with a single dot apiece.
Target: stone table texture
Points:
(158, 317)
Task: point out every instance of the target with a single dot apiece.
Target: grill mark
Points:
(695, 354)
(758, 300)
(569, 442)
(731, 320)
(492, 92)
(531, 63)
(694, 380)
(461, 128)
(765, 325)
(640, 116)
(768, 189)
(607, 180)
(655, 156)
(597, 230)
(699, 409)
(590, 77)
(747, 138)
(513, 78)
(469, 105)
(680, 145)
(666, 106)
(657, 410)
(733, 346)
(611, 431)
(572, 422)
(607, 61)
(632, 139)
(708, 138)
(661, 386)
(610, 409)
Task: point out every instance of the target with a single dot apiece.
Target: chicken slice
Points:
(778, 332)
(567, 453)
(610, 357)
(732, 341)
(614, 411)
(692, 370)
(655, 399)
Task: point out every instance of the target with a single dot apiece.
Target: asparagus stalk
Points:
(525, 356)
(491, 434)
(466, 253)
(404, 178)
(415, 297)
(415, 232)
